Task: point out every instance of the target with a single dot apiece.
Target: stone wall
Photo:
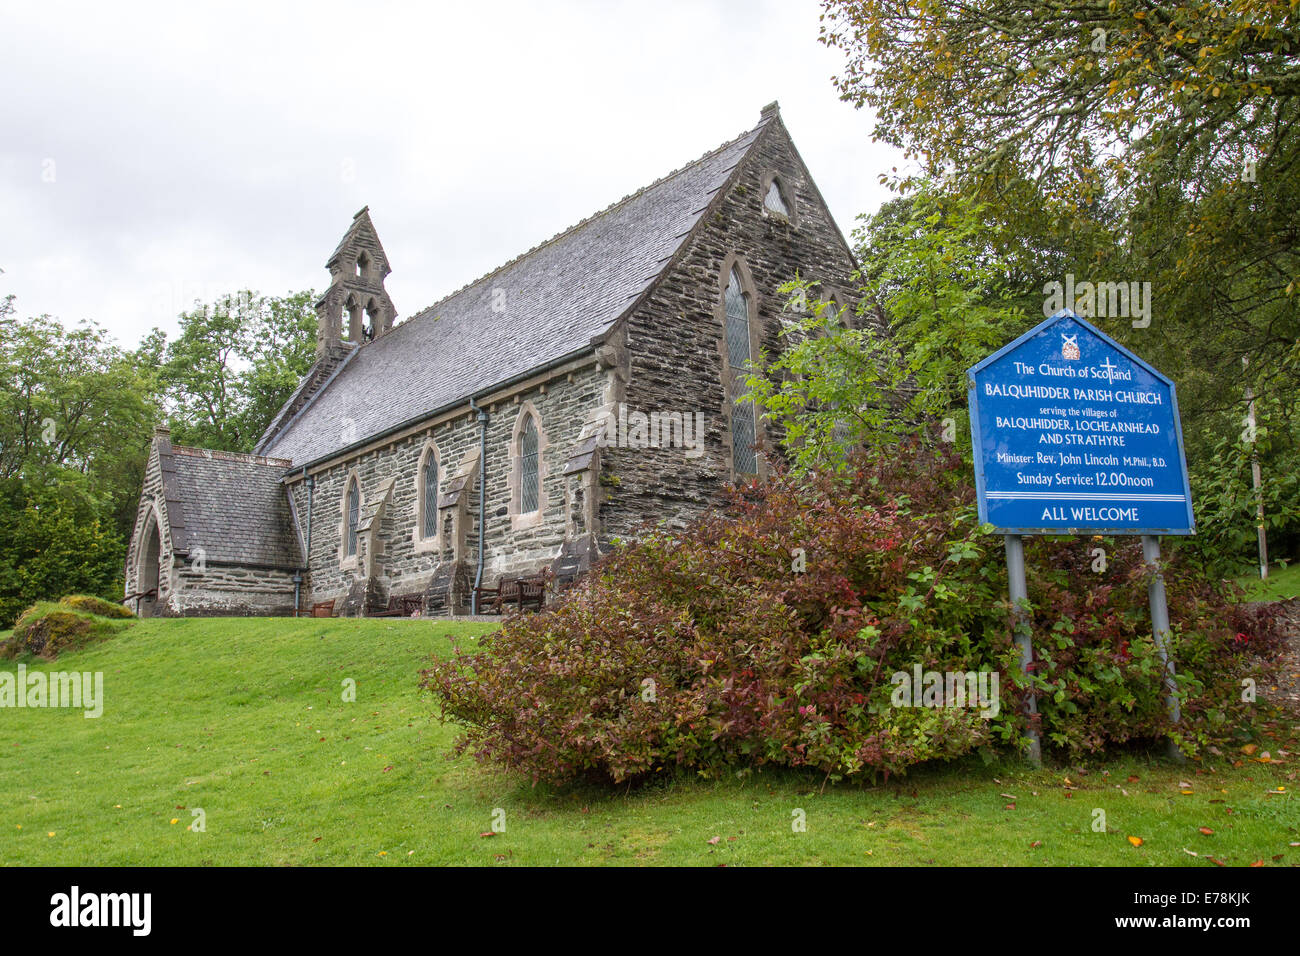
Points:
(231, 591)
(389, 549)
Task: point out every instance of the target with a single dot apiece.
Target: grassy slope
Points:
(1282, 583)
(244, 718)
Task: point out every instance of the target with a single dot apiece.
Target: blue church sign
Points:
(1073, 434)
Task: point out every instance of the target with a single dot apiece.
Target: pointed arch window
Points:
(527, 481)
(739, 356)
(530, 487)
(774, 201)
(429, 494)
(778, 201)
(353, 517)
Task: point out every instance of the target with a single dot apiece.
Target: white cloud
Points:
(200, 149)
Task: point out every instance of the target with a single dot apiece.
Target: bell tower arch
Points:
(356, 307)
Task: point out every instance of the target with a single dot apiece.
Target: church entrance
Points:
(147, 576)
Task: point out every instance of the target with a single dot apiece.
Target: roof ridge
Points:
(214, 454)
(582, 222)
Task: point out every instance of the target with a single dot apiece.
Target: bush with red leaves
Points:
(770, 633)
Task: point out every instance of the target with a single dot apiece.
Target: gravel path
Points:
(1287, 693)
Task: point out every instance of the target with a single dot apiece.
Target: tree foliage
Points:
(934, 301)
(233, 365)
(1120, 141)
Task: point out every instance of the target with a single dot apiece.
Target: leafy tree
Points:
(1122, 141)
(993, 84)
(928, 267)
(54, 542)
(233, 365)
(73, 405)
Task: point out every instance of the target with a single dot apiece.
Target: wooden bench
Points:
(322, 609)
(523, 593)
(489, 600)
(407, 605)
(528, 593)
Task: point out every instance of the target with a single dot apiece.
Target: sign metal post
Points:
(1160, 630)
(1024, 638)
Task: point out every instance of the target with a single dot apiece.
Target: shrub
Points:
(98, 606)
(46, 630)
(710, 649)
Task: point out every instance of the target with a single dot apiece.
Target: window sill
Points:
(424, 545)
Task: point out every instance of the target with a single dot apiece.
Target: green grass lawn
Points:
(245, 719)
(1282, 583)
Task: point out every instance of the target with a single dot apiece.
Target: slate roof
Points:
(557, 298)
(235, 508)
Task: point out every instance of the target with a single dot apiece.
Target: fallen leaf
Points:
(1190, 852)
(1136, 841)
(1206, 830)
(1133, 778)
(1036, 844)
(1257, 863)
(1249, 749)
(1216, 862)
(488, 833)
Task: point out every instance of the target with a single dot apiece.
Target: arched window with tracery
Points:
(530, 489)
(353, 517)
(739, 344)
(428, 494)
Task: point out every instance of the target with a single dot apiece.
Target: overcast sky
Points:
(151, 154)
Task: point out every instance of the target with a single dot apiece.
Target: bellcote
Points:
(356, 307)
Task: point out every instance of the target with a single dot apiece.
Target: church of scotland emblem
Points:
(1070, 347)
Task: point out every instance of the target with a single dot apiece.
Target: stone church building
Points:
(520, 424)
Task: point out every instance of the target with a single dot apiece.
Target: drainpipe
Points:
(306, 558)
(482, 499)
